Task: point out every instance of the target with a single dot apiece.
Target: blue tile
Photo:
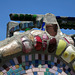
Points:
(12, 62)
(43, 24)
(16, 70)
(49, 66)
(14, 28)
(31, 24)
(52, 58)
(33, 62)
(69, 69)
(52, 74)
(59, 70)
(52, 63)
(26, 58)
(30, 62)
(38, 24)
(66, 71)
(48, 73)
(10, 70)
(26, 67)
(56, 73)
(36, 61)
(22, 72)
(58, 65)
(35, 28)
(30, 67)
(35, 73)
(39, 61)
(8, 73)
(43, 29)
(17, 27)
(63, 65)
(26, 25)
(23, 26)
(13, 73)
(17, 73)
(20, 68)
(36, 65)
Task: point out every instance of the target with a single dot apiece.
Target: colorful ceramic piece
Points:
(27, 46)
(52, 45)
(61, 46)
(73, 65)
(44, 41)
(45, 37)
(69, 54)
(38, 43)
(65, 54)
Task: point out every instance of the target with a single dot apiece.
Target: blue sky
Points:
(57, 7)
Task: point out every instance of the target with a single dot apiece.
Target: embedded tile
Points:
(35, 69)
(61, 46)
(40, 73)
(29, 71)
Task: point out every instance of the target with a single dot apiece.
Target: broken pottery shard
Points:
(27, 45)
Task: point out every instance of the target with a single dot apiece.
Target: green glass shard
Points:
(21, 17)
(28, 17)
(15, 16)
(27, 29)
(34, 17)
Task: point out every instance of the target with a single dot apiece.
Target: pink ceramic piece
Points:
(45, 37)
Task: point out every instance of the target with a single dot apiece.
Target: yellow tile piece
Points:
(65, 54)
(72, 56)
(1, 73)
(73, 65)
(61, 46)
(17, 66)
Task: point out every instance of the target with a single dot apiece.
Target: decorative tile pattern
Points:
(29, 64)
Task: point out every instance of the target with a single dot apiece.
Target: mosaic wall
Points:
(44, 52)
